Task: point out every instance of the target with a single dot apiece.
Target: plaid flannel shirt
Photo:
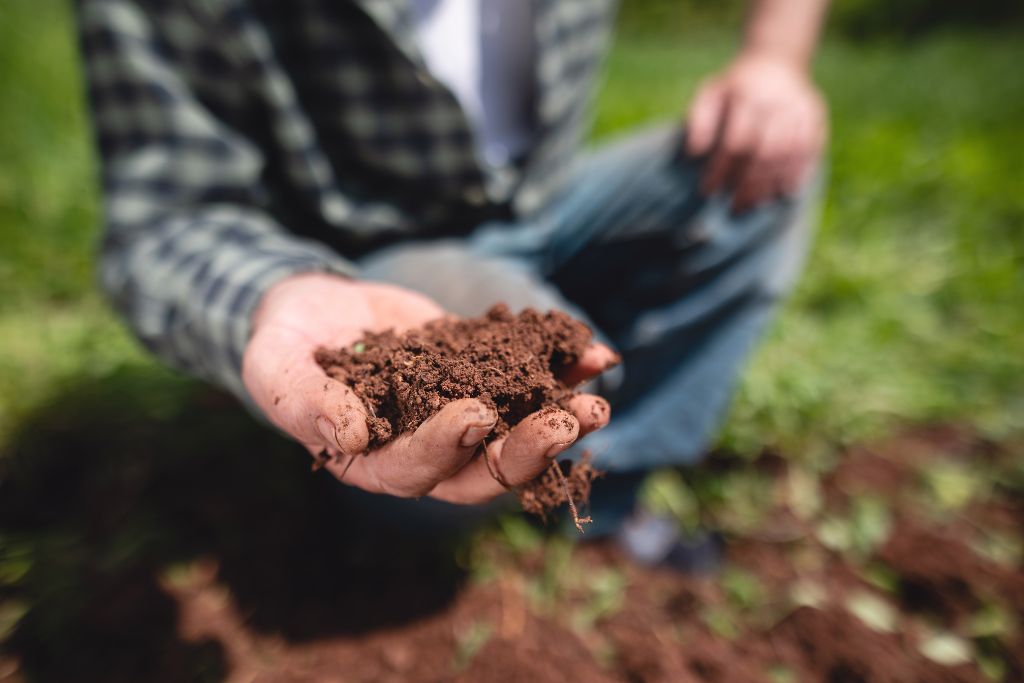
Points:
(243, 141)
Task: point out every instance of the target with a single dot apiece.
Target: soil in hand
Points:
(511, 361)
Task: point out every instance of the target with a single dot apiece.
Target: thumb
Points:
(704, 119)
(295, 394)
(318, 409)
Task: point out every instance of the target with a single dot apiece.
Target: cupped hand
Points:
(762, 126)
(439, 459)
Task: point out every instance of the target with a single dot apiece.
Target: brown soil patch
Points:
(664, 628)
(941, 575)
(144, 549)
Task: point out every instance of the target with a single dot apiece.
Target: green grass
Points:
(910, 309)
(54, 329)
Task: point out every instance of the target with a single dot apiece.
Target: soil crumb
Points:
(513, 362)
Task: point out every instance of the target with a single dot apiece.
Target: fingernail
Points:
(328, 431)
(475, 434)
(613, 361)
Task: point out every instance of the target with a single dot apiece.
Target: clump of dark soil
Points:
(513, 362)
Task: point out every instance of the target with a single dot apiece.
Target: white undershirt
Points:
(482, 50)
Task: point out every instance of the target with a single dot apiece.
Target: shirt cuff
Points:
(227, 327)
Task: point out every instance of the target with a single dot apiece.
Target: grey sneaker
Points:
(653, 540)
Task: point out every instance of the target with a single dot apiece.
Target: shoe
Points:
(656, 541)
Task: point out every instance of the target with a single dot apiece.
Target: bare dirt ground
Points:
(193, 547)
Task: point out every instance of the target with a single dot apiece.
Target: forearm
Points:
(188, 282)
(784, 29)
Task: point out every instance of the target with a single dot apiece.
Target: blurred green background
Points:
(911, 306)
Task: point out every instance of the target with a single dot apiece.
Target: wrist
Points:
(764, 55)
(784, 31)
(293, 291)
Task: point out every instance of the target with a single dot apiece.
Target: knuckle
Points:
(732, 144)
(738, 144)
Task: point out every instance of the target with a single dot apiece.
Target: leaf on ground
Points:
(953, 485)
(991, 621)
(875, 612)
(744, 503)
(780, 673)
(835, 534)
(947, 649)
(547, 588)
(742, 589)
(519, 535)
(807, 593)
(1002, 549)
(881, 576)
(606, 593)
(804, 493)
(469, 641)
(861, 531)
(721, 622)
(667, 493)
(992, 666)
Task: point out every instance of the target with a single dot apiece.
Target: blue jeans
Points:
(674, 281)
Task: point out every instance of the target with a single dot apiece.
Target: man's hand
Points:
(762, 125)
(304, 312)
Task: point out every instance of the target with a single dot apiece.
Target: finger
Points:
(795, 163)
(516, 459)
(762, 176)
(755, 186)
(292, 390)
(808, 139)
(413, 464)
(794, 175)
(533, 443)
(596, 359)
(318, 409)
(738, 139)
(704, 119)
(787, 165)
(780, 138)
(592, 412)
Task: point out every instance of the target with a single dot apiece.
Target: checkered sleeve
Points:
(187, 250)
